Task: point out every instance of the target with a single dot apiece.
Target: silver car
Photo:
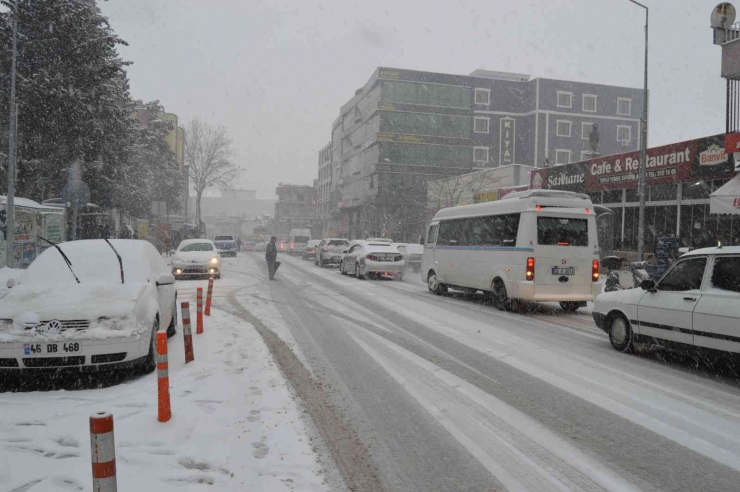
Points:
(331, 251)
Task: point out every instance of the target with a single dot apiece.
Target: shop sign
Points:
(712, 156)
(485, 196)
(732, 143)
(506, 141)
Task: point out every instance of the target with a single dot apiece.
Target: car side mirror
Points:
(172, 252)
(648, 285)
(421, 240)
(345, 251)
(11, 283)
(165, 279)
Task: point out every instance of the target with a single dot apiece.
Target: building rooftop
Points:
(490, 74)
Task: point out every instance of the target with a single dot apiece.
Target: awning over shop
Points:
(726, 200)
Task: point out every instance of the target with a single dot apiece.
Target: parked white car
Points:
(196, 257)
(695, 304)
(365, 258)
(88, 304)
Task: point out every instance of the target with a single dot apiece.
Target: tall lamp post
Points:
(643, 147)
(13, 119)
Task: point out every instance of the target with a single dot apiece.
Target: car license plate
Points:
(32, 349)
(563, 270)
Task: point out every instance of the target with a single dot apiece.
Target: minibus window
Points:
(562, 231)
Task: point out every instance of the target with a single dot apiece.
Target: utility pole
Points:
(643, 148)
(12, 131)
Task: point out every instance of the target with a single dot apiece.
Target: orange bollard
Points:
(103, 449)
(208, 296)
(199, 314)
(164, 411)
(187, 334)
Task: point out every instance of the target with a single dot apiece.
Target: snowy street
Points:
(449, 394)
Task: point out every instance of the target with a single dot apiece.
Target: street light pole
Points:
(643, 148)
(10, 203)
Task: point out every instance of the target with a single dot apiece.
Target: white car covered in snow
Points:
(366, 258)
(88, 304)
(196, 257)
(695, 304)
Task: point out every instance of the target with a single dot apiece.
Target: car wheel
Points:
(218, 277)
(501, 300)
(150, 362)
(434, 285)
(341, 268)
(172, 328)
(357, 272)
(620, 334)
(571, 307)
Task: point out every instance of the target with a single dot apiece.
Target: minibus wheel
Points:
(435, 287)
(501, 300)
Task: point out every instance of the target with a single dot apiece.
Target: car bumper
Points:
(329, 258)
(195, 270)
(528, 291)
(92, 354)
(383, 267)
(226, 252)
(600, 320)
(414, 265)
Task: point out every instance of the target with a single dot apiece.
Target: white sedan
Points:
(196, 257)
(365, 258)
(695, 305)
(88, 304)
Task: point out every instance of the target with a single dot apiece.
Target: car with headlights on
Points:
(196, 258)
(88, 305)
(371, 259)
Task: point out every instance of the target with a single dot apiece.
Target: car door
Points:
(717, 314)
(667, 313)
(165, 293)
(429, 256)
(349, 259)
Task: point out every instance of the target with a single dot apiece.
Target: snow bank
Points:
(235, 425)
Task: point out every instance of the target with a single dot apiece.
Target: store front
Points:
(680, 178)
(32, 220)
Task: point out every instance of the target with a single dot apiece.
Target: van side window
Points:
(432, 237)
(726, 273)
(451, 232)
(494, 230)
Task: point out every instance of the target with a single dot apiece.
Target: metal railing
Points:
(730, 34)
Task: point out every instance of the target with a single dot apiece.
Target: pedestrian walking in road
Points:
(271, 257)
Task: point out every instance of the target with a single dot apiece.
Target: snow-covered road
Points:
(449, 394)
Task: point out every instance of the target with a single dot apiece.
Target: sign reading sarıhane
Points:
(506, 142)
(703, 158)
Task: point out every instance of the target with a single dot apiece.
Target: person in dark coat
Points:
(271, 257)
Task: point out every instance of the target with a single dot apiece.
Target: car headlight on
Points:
(214, 261)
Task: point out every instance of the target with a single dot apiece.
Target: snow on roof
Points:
(727, 250)
(26, 203)
(185, 242)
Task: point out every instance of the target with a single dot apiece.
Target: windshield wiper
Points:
(66, 260)
(120, 261)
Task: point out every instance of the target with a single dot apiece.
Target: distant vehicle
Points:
(196, 258)
(536, 245)
(298, 240)
(365, 258)
(694, 305)
(309, 252)
(331, 251)
(260, 246)
(225, 245)
(412, 254)
(248, 245)
(89, 305)
(379, 240)
(282, 246)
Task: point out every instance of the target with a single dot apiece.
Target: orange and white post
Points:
(208, 296)
(199, 314)
(164, 411)
(187, 333)
(103, 448)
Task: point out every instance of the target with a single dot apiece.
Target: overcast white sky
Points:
(275, 73)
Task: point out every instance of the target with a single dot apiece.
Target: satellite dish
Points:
(723, 15)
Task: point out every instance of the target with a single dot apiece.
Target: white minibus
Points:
(535, 245)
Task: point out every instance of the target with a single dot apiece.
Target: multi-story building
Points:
(324, 216)
(404, 128)
(296, 207)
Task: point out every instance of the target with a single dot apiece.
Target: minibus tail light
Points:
(588, 211)
(538, 207)
(530, 268)
(595, 271)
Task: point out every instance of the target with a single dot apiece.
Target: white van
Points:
(298, 240)
(535, 245)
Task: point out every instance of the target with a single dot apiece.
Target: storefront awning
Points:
(726, 200)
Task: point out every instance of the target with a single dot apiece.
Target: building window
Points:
(483, 96)
(562, 157)
(590, 103)
(624, 106)
(562, 128)
(565, 99)
(586, 128)
(480, 124)
(586, 155)
(624, 134)
(480, 155)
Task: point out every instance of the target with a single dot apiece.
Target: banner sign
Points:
(506, 140)
(703, 158)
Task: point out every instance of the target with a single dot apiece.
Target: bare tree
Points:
(459, 190)
(209, 156)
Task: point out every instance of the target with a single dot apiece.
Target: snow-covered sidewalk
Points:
(234, 425)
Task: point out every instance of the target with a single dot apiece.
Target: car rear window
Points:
(301, 239)
(338, 243)
(224, 238)
(562, 231)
